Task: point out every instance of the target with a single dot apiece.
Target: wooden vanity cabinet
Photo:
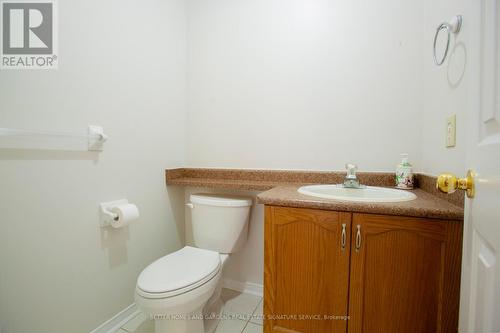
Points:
(306, 269)
(394, 274)
(405, 276)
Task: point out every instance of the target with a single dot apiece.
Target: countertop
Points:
(425, 205)
(280, 189)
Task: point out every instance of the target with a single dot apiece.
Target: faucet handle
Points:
(351, 180)
(351, 169)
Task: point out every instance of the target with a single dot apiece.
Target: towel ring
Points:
(452, 27)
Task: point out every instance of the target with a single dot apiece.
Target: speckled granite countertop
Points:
(425, 205)
(280, 189)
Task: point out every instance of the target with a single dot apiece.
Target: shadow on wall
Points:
(457, 63)
(115, 241)
(46, 155)
(176, 199)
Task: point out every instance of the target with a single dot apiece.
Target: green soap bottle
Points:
(404, 174)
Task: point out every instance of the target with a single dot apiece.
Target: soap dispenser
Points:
(404, 174)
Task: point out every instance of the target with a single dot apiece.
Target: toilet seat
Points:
(178, 273)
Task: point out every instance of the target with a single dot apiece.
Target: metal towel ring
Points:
(452, 27)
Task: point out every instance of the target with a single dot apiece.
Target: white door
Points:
(480, 288)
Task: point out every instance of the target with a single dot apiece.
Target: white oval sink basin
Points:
(365, 194)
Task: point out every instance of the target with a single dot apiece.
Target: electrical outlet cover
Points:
(451, 131)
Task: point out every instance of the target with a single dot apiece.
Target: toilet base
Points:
(213, 309)
(168, 313)
(212, 315)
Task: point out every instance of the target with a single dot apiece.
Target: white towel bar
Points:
(95, 136)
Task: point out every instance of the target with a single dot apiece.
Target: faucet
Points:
(351, 180)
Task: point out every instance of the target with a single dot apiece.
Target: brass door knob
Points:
(449, 183)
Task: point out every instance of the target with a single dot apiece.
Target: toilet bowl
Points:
(181, 291)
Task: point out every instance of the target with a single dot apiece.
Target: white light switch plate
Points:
(451, 131)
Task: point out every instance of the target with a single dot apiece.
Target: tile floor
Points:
(243, 314)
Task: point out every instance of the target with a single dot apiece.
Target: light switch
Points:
(451, 131)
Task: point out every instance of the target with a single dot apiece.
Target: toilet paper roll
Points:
(126, 214)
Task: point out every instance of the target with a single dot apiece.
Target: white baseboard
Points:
(118, 320)
(244, 287)
(131, 311)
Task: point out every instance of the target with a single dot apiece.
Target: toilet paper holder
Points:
(107, 216)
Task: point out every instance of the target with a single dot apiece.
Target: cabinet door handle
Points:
(343, 237)
(358, 238)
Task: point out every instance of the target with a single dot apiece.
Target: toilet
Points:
(181, 291)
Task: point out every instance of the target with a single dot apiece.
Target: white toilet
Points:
(181, 290)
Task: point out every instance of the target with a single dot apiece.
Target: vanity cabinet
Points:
(389, 274)
(306, 269)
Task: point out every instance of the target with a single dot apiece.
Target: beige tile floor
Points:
(243, 314)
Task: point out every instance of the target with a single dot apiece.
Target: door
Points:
(480, 291)
(405, 275)
(306, 270)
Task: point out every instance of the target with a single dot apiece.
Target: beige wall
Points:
(122, 66)
(304, 84)
(445, 92)
(289, 87)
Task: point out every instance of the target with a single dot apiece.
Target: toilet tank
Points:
(220, 222)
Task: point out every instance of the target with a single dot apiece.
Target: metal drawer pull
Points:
(358, 238)
(343, 237)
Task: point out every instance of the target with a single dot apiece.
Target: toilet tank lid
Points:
(220, 200)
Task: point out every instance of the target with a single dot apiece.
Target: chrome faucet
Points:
(351, 180)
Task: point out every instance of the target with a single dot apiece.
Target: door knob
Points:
(449, 183)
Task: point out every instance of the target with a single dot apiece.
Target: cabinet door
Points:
(306, 270)
(405, 275)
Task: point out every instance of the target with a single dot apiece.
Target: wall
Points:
(59, 272)
(445, 91)
(304, 84)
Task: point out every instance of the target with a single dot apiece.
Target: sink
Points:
(364, 194)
